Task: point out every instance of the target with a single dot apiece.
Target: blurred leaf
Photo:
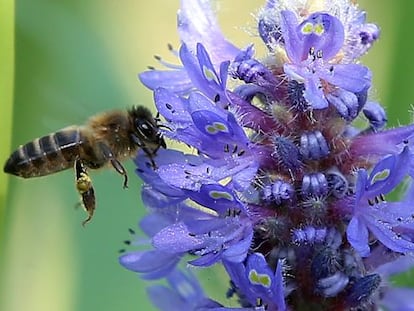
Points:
(6, 91)
(6, 112)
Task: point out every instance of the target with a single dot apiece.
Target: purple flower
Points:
(390, 222)
(153, 263)
(183, 293)
(311, 46)
(274, 181)
(257, 281)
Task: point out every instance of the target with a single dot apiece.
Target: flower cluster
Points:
(278, 184)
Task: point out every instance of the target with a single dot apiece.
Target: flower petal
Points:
(357, 234)
(197, 23)
(351, 77)
(177, 81)
(155, 263)
(175, 239)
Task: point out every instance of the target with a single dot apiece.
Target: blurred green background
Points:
(62, 61)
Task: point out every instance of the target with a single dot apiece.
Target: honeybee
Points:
(106, 138)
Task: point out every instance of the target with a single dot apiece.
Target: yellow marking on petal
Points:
(220, 195)
(220, 126)
(216, 127)
(200, 208)
(259, 279)
(211, 129)
(209, 74)
(307, 28)
(380, 176)
(318, 29)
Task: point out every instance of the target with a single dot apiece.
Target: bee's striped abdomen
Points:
(45, 155)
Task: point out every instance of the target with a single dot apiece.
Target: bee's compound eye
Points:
(145, 128)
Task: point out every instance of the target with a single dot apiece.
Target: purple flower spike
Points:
(272, 178)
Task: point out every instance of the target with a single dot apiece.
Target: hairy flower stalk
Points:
(280, 187)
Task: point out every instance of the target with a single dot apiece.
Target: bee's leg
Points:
(148, 152)
(121, 170)
(107, 152)
(85, 189)
(150, 156)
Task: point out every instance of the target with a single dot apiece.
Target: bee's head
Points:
(145, 132)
